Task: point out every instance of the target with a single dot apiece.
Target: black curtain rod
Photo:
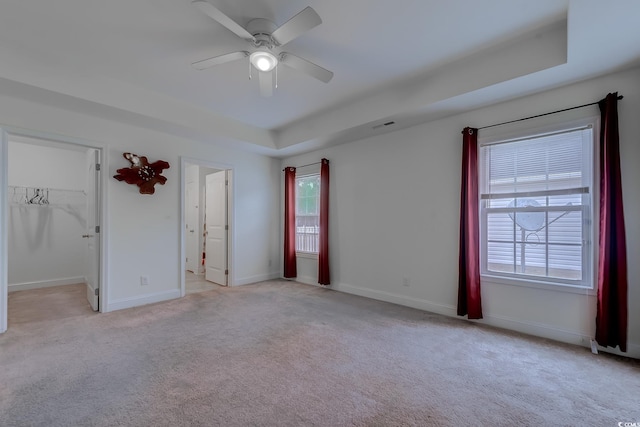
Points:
(310, 164)
(545, 114)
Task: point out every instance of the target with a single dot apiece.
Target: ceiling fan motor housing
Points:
(261, 29)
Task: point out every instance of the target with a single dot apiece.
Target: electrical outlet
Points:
(144, 280)
(406, 281)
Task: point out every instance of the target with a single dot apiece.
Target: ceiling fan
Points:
(265, 39)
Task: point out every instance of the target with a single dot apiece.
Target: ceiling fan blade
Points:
(215, 14)
(221, 59)
(305, 66)
(266, 83)
(302, 22)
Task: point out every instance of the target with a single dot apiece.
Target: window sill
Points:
(309, 255)
(556, 287)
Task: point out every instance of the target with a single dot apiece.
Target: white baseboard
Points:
(503, 322)
(537, 329)
(255, 279)
(418, 303)
(123, 303)
(46, 283)
(554, 333)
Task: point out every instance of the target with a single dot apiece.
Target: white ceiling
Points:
(406, 61)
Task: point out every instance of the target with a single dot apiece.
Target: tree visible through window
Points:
(536, 199)
(307, 213)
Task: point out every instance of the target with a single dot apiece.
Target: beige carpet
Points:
(285, 354)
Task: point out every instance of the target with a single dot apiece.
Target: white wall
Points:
(34, 165)
(45, 244)
(395, 208)
(142, 232)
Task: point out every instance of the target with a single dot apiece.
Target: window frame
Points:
(306, 254)
(589, 250)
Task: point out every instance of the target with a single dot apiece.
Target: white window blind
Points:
(535, 207)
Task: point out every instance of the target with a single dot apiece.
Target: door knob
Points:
(86, 236)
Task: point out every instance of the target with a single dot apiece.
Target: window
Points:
(536, 206)
(307, 213)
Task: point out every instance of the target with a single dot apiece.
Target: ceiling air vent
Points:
(383, 125)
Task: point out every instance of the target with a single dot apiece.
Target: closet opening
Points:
(53, 195)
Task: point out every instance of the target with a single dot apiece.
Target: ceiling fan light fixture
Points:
(263, 61)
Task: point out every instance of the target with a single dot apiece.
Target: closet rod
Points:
(24, 187)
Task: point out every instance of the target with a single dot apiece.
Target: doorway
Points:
(207, 201)
(51, 221)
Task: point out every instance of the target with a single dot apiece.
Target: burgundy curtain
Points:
(290, 268)
(469, 302)
(611, 317)
(323, 252)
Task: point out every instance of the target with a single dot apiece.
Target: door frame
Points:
(4, 276)
(184, 161)
(57, 140)
(192, 219)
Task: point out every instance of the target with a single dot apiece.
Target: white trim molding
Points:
(255, 279)
(4, 276)
(122, 303)
(46, 283)
(420, 304)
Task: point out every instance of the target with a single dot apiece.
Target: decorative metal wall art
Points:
(142, 174)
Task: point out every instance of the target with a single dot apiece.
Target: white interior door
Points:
(216, 220)
(92, 231)
(192, 198)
